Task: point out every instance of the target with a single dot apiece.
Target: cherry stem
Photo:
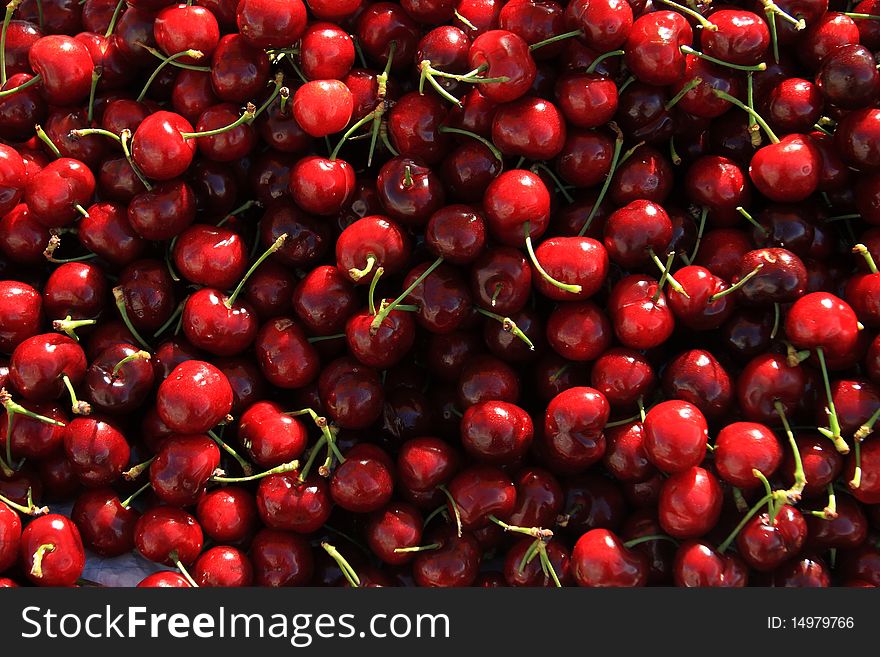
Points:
(856, 480)
(24, 85)
(464, 20)
(429, 73)
(509, 326)
(46, 139)
(177, 312)
(646, 539)
(30, 510)
(386, 310)
(692, 84)
(739, 501)
(7, 18)
(666, 274)
(722, 548)
(748, 217)
(307, 468)
(96, 75)
(246, 117)
(84, 132)
(830, 510)
(124, 139)
(485, 142)
(348, 133)
(566, 287)
(535, 532)
(741, 282)
(247, 205)
(173, 556)
(860, 16)
(347, 571)
(285, 97)
(703, 214)
(754, 128)
(358, 274)
(625, 421)
(246, 467)
(280, 469)
(68, 325)
(407, 177)
(736, 101)
(39, 555)
(862, 250)
(119, 297)
(616, 160)
(372, 292)
(77, 407)
(417, 548)
(128, 500)
(844, 217)
(772, 7)
(52, 246)
(601, 58)
(834, 424)
(720, 62)
(455, 510)
(540, 166)
(440, 510)
(324, 338)
(159, 55)
(327, 438)
(641, 404)
(867, 428)
(115, 17)
(777, 312)
(704, 22)
(555, 39)
(277, 244)
(137, 470)
(673, 153)
(800, 479)
(774, 37)
(279, 84)
(193, 54)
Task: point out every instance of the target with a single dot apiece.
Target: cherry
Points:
(56, 194)
(697, 377)
(239, 69)
(503, 54)
(285, 356)
(854, 139)
(351, 393)
(281, 559)
(606, 24)
(425, 463)
(51, 551)
(13, 177)
(822, 463)
(675, 436)
(384, 23)
(22, 314)
(106, 524)
(862, 472)
(409, 190)
(414, 126)
(479, 492)
(773, 173)
(639, 314)
(847, 529)
(486, 378)
(65, 68)
(322, 107)
(182, 468)
(496, 432)
(164, 579)
(168, 536)
(269, 436)
(698, 564)
(369, 243)
(764, 544)
(741, 448)
(31, 436)
(579, 331)
(43, 365)
(392, 531)
(181, 27)
(363, 482)
(454, 563)
(75, 289)
(600, 559)
(741, 37)
(96, 449)
(326, 52)
(228, 514)
(23, 239)
(690, 503)
(573, 427)
(587, 100)
(794, 105)
(652, 47)
(223, 566)
(456, 233)
(849, 78)
(194, 398)
(108, 233)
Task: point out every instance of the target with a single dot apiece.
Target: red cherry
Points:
(599, 559)
(194, 398)
(52, 551)
(675, 436)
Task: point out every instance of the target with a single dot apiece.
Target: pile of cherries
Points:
(441, 293)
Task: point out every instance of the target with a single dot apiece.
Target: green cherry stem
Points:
(733, 288)
(347, 571)
(862, 250)
(417, 548)
(772, 7)
(540, 166)
(509, 326)
(250, 111)
(136, 471)
(34, 80)
(39, 555)
(623, 422)
(68, 326)
(159, 55)
(692, 84)
(704, 22)
(455, 510)
(535, 532)
(722, 548)
(114, 18)
(384, 312)
(833, 431)
(868, 427)
(277, 244)
(485, 142)
(601, 58)
(687, 50)
(371, 295)
(77, 407)
(736, 101)
(119, 298)
(96, 75)
(246, 467)
(555, 39)
(183, 571)
(646, 539)
(280, 469)
(30, 510)
(128, 500)
(46, 139)
(566, 287)
(748, 217)
(353, 129)
(192, 54)
(800, 480)
(830, 510)
(666, 274)
(124, 140)
(279, 84)
(84, 132)
(860, 16)
(7, 18)
(616, 160)
(704, 213)
(754, 128)
(856, 480)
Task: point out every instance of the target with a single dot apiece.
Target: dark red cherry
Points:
(40, 363)
(639, 314)
(690, 503)
(455, 563)
(742, 447)
(698, 564)
(675, 436)
(351, 393)
(284, 501)
(194, 398)
(166, 535)
(52, 551)
(496, 432)
(504, 55)
(697, 377)
(599, 559)
(480, 492)
(182, 468)
(21, 313)
(764, 544)
(363, 482)
(65, 66)
(105, 523)
(97, 450)
(223, 566)
(227, 514)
